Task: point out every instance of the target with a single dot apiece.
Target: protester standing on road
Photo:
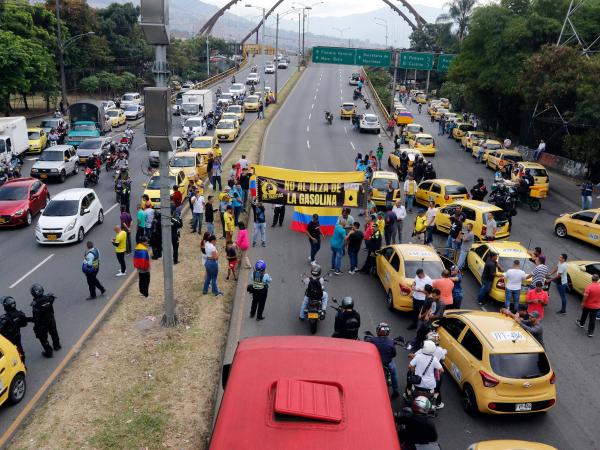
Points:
(212, 266)
(400, 212)
(390, 225)
(430, 217)
(245, 185)
(243, 243)
(456, 225)
(457, 292)
(445, 286)
(354, 240)
(587, 191)
(141, 261)
(176, 200)
(141, 224)
(590, 305)
(466, 242)
(513, 282)
(479, 191)
(373, 238)
(491, 227)
(260, 226)
(278, 214)
(44, 323)
(418, 295)
(562, 281)
(148, 218)
(410, 189)
(337, 248)
(346, 220)
(379, 155)
(487, 277)
(198, 207)
(91, 267)
(259, 280)
(540, 272)
(261, 111)
(217, 171)
(537, 299)
(126, 221)
(120, 243)
(156, 236)
(314, 233)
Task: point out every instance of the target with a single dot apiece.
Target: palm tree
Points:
(459, 12)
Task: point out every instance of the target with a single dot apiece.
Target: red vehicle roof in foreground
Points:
(305, 393)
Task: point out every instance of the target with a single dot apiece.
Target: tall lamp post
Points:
(305, 17)
(383, 23)
(341, 31)
(262, 51)
(277, 46)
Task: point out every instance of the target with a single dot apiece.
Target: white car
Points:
(179, 145)
(187, 86)
(130, 98)
(369, 122)
(253, 78)
(282, 64)
(108, 104)
(270, 68)
(56, 162)
(237, 89)
(133, 112)
(69, 216)
(225, 99)
(193, 127)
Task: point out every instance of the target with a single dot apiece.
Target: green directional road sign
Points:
(351, 56)
(418, 61)
(444, 62)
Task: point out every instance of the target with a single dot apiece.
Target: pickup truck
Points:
(88, 120)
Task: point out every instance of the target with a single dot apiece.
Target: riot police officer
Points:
(43, 319)
(11, 323)
(347, 320)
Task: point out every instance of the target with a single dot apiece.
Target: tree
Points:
(455, 92)
(436, 37)
(89, 85)
(459, 13)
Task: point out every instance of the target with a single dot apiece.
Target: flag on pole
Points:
(327, 218)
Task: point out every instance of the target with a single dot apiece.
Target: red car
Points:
(20, 200)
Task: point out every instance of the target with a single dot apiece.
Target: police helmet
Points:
(347, 303)
(421, 405)
(315, 271)
(383, 329)
(260, 265)
(9, 303)
(37, 290)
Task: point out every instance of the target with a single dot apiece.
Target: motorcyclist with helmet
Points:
(347, 320)
(440, 354)
(404, 162)
(414, 425)
(11, 323)
(315, 290)
(429, 173)
(424, 370)
(387, 352)
(259, 288)
(479, 191)
(42, 308)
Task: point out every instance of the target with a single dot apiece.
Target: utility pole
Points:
(207, 59)
(303, 17)
(61, 59)
(299, 35)
(427, 84)
(394, 81)
(276, 53)
(262, 50)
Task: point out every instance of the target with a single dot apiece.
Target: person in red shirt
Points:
(445, 285)
(176, 201)
(537, 299)
(590, 305)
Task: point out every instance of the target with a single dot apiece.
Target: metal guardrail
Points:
(378, 101)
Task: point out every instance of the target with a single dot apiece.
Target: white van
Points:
(130, 98)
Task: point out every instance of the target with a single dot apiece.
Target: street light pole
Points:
(384, 24)
(61, 58)
(262, 52)
(207, 59)
(276, 53)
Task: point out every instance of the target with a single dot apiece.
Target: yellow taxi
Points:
(500, 367)
(460, 130)
(433, 107)
(379, 185)
(537, 171)
(251, 103)
(445, 103)
(441, 191)
(425, 143)
(412, 153)
(38, 140)
(347, 110)
(440, 112)
(496, 159)
(202, 143)
(192, 163)
(117, 117)
(584, 225)
(176, 177)
(230, 116)
(227, 130)
(421, 98)
(507, 253)
(238, 110)
(175, 85)
(579, 274)
(489, 145)
(397, 267)
(12, 373)
(411, 130)
(471, 138)
(509, 444)
(474, 212)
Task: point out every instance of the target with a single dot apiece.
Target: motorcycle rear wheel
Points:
(313, 326)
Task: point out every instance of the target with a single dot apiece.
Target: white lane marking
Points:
(31, 271)
(308, 144)
(312, 106)
(33, 159)
(111, 208)
(307, 129)
(317, 90)
(315, 97)
(309, 116)
(345, 130)
(352, 145)
(341, 92)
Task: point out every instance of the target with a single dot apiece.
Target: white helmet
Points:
(434, 337)
(428, 347)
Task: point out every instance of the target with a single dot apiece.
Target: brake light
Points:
(446, 197)
(483, 229)
(553, 378)
(500, 284)
(468, 196)
(492, 406)
(405, 290)
(551, 402)
(488, 380)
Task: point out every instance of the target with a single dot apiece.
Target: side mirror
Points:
(582, 268)
(85, 211)
(144, 184)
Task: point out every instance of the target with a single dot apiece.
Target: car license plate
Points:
(313, 315)
(523, 407)
(43, 175)
(3, 220)
(51, 237)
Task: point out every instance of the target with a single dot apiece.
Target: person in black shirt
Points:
(479, 191)
(455, 230)
(44, 323)
(314, 233)
(347, 321)
(487, 277)
(354, 240)
(176, 225)
(387, 352)
(11, 323)
(415, 427)
(245, 185)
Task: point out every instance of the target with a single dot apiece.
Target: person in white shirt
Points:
(410, 189)
(198, 204)
(418, 295)
(427, 366)
(243, 162)
(400, 212)
(513, 280)
(430, 217)
(562, 281)
(440, 353)
(538, 152)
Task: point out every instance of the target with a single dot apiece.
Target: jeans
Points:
(417, 305)
(390, 235)
(398, 227)
(216, 179)
(514, 295)
(586, 202)
(236, 214)
(428, 235)
(486, 286)
(336, 258)
(197, 222)
(408, 202)
(537, 155)
(462, 257)
(315, 246)
(353, 257)
(210, 227)
(259, 229)
(457, 298)
(592, 322)
(121, 259)
(144, 282)
(562, 291)
(480, 156)
(212, 270)
(379, 163)
(304, 305)
(449, 247)
(393, 375)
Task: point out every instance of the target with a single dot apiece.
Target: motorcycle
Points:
(398, 341)
(209, 122)
(329, 117)
(90, 177)
(313, 312)
(111, 161)
(126, 140)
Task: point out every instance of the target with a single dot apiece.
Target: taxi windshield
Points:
(348, 107)
(425, 140)
(112, 113)
(382, 183)
(183, 161)
(234, 109)
(414, 128)
(225, 126)
(515, 158)
(538, 172)
(252, 99)
(202, 143)
(433, 269)
(494, 147)
(370, 119)
(520, 365)
(507, 262)
(154, 182)
(456, 189)
(465, 127)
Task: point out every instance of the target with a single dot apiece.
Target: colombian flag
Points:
(404, 117)
(141, 258)
(327, 218)
(253, 187)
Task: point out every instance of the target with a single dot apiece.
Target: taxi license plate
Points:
(223, 137)
(523, 407)
(313, 315)
(51, 237)
(43, 175)
(3, 220)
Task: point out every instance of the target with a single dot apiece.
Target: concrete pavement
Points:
(299, 138)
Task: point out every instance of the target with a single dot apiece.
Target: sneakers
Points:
(560, 311)
(337, 272)
(264, 244)
(591, 335)
(254, 244)
(578, 323)
(120, 274)
(439, 406)
(352, 272)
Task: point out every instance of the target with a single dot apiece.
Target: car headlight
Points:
(33, 170)
(71, 225)
(54, 170)
(19, 212)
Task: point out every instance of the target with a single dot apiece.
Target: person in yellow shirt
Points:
(217, 150)
(229, 223)
(380, 222)
(410, 189)
(420, 225)
(120, 243)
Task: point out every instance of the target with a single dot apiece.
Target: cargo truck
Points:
(14, 139)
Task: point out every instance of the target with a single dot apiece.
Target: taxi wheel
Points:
(29, 218)
(560, 230)
(389, 299)
(18, 386)
(570, 285)
(469, 400)
(80, 235)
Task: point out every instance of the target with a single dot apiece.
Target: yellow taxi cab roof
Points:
(501, 333)
(204, 138)
(384, 174)
(509, 152)
(226, 121)
(186, 153)
(34, 129)
(580, 262)
(477, 133)
(531, 165)
(476, 204)
(508, 249)
(417, 252)
(447, 181)
(418, 135)
(493, 141)
(255, 99)
(511, 444)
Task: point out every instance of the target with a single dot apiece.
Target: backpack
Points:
(314, 291)
(8, 328)
(257, 281)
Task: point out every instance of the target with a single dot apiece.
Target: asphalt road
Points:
(58, 268)
(299, 138)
